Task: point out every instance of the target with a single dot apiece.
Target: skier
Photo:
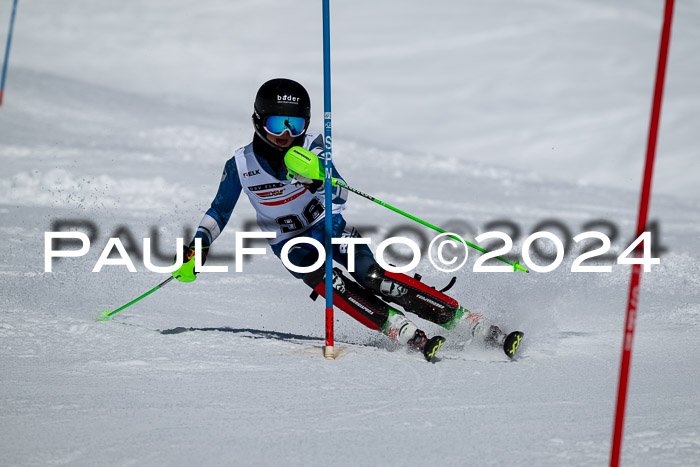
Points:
(294, 208)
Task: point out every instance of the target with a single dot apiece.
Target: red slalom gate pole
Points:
(633, 298)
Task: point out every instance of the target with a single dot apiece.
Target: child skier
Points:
(294, 208)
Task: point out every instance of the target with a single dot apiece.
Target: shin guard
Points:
(412, 295)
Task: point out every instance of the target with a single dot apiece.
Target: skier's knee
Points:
(313, 278)
(377, 281)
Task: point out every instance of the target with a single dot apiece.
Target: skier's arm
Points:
(218, 215)
(213, 222)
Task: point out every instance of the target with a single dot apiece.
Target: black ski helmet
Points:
(280, 96)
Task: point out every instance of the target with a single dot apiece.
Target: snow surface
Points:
(462, 113)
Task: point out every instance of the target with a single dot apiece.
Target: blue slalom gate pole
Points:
(328, 351)
(7, 50)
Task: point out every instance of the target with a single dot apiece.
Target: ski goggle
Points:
(276, 125)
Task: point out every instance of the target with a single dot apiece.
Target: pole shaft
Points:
(328, 164)
(7, 50)
(142, 296)
(633, 297)
(422, 222)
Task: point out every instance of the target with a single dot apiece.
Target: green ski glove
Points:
(305, 167)
(303, 163)
(186, 272)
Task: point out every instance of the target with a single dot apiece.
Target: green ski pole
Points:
(303, 164)
(106, 314)
(337, 182)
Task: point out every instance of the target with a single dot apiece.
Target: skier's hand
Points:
(186, 272)
(312, 185)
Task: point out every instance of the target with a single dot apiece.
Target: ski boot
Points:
(428, 346)
(488, 334)
(497, 338)
(512, 342)
(402, 331)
